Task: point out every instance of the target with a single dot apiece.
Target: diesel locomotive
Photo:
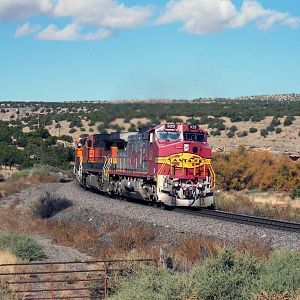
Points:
(166, 164)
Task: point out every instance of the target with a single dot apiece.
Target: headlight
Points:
(186, 147)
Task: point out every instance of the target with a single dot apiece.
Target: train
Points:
(168, 164)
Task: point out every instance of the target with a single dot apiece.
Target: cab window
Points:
(168, 135)
(194, 136)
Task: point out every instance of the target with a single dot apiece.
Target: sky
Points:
(55, 50)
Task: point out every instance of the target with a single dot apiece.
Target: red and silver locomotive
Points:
(168, 164)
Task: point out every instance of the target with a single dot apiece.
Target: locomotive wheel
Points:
(166, 207)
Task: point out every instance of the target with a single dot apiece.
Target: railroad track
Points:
(239, 218)
(244, 219)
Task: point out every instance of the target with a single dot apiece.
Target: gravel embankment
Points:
(169, 226)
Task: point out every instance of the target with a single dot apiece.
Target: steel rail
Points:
(244, 219)
(241, 218)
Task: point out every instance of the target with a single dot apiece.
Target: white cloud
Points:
(52, 32)
(26, 29)
(206, 16)
(100, 34)
(72, 32)
(98, 19)
(11, 10)
(104, 13)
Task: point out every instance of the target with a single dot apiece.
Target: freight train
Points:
(165, 164)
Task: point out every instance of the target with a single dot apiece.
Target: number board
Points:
(170, 126)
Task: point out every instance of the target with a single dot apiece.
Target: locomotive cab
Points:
(184, 173)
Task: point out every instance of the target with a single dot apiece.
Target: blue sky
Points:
(143, 49)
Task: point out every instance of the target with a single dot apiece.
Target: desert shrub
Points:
(275, 122)
(288, 120)
(230, 134)
(261, 170)
(242, 133)
(270, 128)
(233, 128)
(299, 133)
(130, 238)
(132, 128)
(36, 170)
(194, 249)
(72, 130)
(216, 132)
(21, 246)
(153, 283)
(2, 178)
(252, 130)
(278, 130)
(280, 273)
(66, 138)
(230, 276)
(49, 205)
(264, 132)
(295, 192)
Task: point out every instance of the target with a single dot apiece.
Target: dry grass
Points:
(78, 235)
(269, 205)
(7, 257)
(194, 249)
(256, 247)
(133, 242)
(134, 237)
(276, 296)
(10, 186)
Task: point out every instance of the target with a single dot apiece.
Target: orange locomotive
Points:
(168, 164)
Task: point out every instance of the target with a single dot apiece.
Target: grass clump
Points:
(49, 205)
(21, 246)
(230, 275)
(36, 170)
(295, 192)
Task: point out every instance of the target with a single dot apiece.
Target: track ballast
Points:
(244, 219)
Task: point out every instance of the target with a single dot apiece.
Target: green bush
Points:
(230, 276)
(278, 130)
(230, 134)
(66, 138)
(21, 246)
(216, 132)
(288, 120)
(263, 132)
(233, 128)
(49, 205)
(280, 273)
(153, 283)
(36, 170)
(253, 130)
(2, 178)
(72, 130)
(275, 122)
(295, 192)
(242, 133)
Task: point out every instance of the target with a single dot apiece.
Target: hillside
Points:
(268, 122)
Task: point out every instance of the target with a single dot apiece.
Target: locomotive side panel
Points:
(134, 158)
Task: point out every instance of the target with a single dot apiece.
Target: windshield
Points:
(168, 135)
(194, 136)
